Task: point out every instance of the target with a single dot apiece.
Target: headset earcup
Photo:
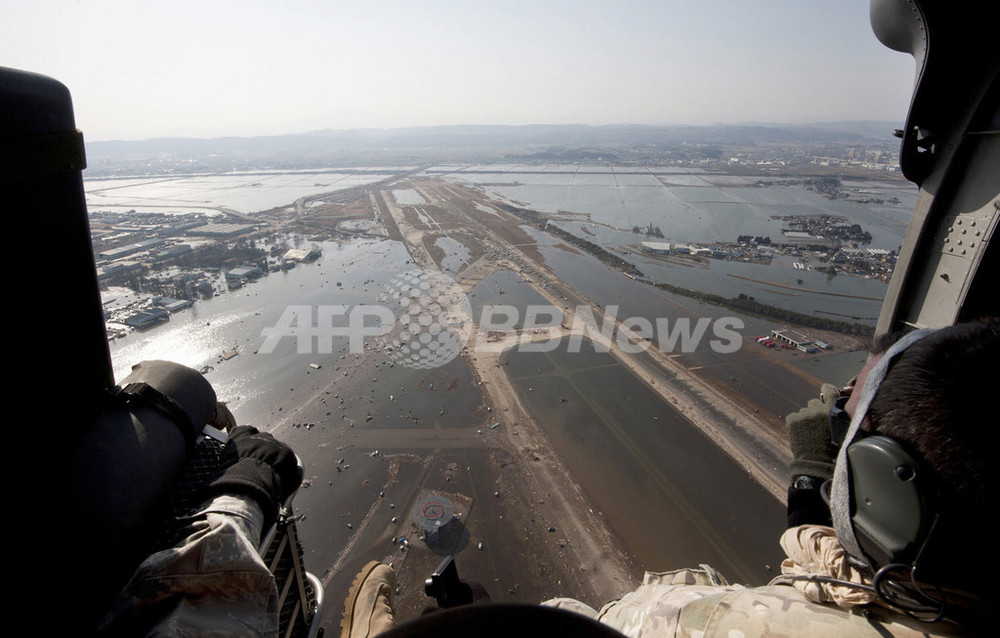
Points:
(890, 505)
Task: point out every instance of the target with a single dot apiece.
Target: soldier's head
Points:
(935, 404)
(936, 399)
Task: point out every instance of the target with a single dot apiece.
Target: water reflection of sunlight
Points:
(236, 391)
(191, 343)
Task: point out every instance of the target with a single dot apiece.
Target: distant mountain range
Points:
(475, 143)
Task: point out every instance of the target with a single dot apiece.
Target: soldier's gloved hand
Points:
(813, 454)
(266, 470)
(223, 418)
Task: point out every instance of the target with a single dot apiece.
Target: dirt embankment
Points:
(591, 557)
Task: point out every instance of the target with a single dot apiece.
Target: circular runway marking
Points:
(431, 512)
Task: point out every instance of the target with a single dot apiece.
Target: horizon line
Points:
(375, 129)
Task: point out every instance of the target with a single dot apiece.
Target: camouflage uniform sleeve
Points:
(212, 581)
(780, 610)
(656, 607)
(697, 603)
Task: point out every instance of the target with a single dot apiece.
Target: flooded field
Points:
(242, 192)
(688, 204)
(668, 491)
(602, 204)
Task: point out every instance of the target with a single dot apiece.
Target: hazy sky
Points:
(210, 68)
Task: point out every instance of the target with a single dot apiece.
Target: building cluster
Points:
(872, 159)
(834, 155)
(870, 263)
(125, 243)
(809, 252)
(715, 251)
(720, 250)
(119, 234)
(822, 229)
(787, 338)
(157, 254)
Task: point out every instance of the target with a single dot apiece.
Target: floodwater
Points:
(602, 204)
(622, 443)
(664, 488)
(244, 192)
(253, 381)
(505, 288)
(751, 376)
(335, 416)
(688, 205)
(407, 197)
(672, 496)
(456, 255)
